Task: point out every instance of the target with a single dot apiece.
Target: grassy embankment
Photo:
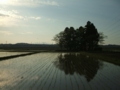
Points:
(15, 56)
(108, 56)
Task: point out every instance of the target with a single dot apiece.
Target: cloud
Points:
(3, 15)
(53, 3)
(12, 13)
(26, 33)
(36, 18)
(30, 3)
(51, 20)
(13, 18)
(6, 32)
(15, 14)
(10, 17)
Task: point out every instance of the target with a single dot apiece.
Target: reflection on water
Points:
(56, 71)
(72, 63)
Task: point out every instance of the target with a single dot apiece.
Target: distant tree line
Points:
(82, 38)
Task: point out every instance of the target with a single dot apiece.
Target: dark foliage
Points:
(83, 38)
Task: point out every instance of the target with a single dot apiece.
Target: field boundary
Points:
(15, 56)
(104, 57)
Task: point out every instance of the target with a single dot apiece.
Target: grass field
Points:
(112, 57)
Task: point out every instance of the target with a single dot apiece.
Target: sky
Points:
(38, 21)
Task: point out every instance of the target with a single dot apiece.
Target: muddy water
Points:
(58, 71)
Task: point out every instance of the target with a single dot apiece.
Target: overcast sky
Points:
(38, 21)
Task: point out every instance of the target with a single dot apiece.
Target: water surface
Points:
(58, 71)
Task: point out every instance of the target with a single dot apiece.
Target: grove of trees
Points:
(83, 38)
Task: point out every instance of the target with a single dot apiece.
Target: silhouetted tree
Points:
(101, 38)
(91, 36)
(80, 42)
(70, 36)
(59, 39)
(83, 38)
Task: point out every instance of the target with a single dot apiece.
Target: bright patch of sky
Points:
(38, 21)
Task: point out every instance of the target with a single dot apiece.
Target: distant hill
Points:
(22, 43)
(110, 46)
(29, 46)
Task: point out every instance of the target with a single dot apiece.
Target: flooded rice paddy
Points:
(58, 71)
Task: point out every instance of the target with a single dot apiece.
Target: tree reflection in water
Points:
(72, 63)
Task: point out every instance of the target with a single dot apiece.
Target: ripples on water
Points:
(58, 71)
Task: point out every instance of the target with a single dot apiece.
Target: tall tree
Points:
(101, 38)
(59, 39)
(69, 36)
(83, 38)
(91, 36)
(80, 38)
